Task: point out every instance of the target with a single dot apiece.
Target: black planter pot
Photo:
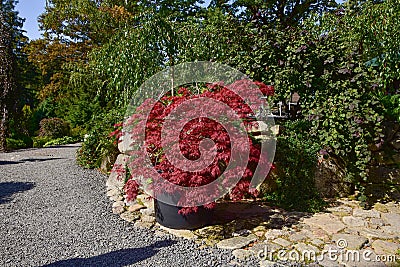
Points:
(168, 216)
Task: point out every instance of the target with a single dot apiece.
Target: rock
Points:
(259, 228)
(366, 213)
(236, 242)
(141, 224)
(259, 233)
(108, 160)
(385, 247)
(340, 209)
(215, 232)
(394, 231)
(243, 232)
(118, 207)
(129, 216)
(325, 260)
(118, 210)
(393, 208)
(392, 219)
(317, 242)
(349, 241)
(349, 203)
(148, 219)
(147, 212)
(375, 233)
(118, 204)
(375, 222)
(124, 144)
(113, 180)
(113, 192)
(381, 207)
(135, 207)
(146, 201)
(274, 233)
(297, 237)
(187, 234)
(328, 222)
(282, 242)
(353, 221)
(319, 233)
(307, 252)
(117, 198)
(242, 254)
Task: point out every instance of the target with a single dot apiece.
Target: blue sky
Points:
(30, 10)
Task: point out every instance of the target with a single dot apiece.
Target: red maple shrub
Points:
(190, 137)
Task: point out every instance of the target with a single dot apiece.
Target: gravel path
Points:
(54, 213)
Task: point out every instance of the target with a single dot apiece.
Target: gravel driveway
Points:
(54, 213)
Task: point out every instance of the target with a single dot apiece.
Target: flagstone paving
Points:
(343, 235)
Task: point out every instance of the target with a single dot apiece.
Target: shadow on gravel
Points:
(119, 258)
(27, 160)
(8, 189)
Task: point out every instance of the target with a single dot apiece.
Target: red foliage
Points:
(190, 138)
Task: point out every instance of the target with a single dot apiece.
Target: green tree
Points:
(10, 34)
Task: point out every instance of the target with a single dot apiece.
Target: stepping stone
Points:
(282, 242)
(354, 221)
(236, 242)
(375, 233)
(347, 241)
(274, 233)
(385, 247)
(328, 222)
(373, 222)
(308, 252)
(297, 237)
(325, 260)
(392, 219)
(317, 242)
(366, 213)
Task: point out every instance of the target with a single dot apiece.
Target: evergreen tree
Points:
(10, 33)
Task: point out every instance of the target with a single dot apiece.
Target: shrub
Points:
(295, 161)
(40, 141)
(97, 142)
(54, 128)
(224, 136)
(15, 144)
(61, 141)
